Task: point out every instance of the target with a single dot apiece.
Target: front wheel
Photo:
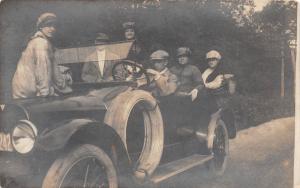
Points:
(84, 166)
(219, 150)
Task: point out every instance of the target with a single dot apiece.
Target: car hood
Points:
(95, 99)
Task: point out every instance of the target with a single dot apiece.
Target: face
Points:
(213, 63)
(49, 30)
(159, 65)
(183, 60)
(129, 34)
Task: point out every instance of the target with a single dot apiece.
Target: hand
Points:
(141, 81)
(69, 79)
(194, 94)
(220, 80)
(152, 71)
(129, 78)
(155, 73)
(228, 76)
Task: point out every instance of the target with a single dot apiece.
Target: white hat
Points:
(213, 54)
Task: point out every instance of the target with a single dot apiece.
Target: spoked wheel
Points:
(219, 150)
(86, 166)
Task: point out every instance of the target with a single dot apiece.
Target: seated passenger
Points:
(216, 81)
(189, 77)
(163, 81)
(101, 70)
(212, 77)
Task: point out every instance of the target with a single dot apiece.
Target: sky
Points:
(260, 4)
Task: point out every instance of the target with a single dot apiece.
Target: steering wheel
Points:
(127, 70)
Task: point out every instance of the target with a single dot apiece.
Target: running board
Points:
(175, 167)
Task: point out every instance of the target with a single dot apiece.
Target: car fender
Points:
(57, 138)
(229, 119)
(215, 117)
(10, 113)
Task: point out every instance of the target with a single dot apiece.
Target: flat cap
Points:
(159, 54)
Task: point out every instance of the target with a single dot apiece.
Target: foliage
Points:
(256, 109)
(245, 39)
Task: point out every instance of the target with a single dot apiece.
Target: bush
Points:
(258, 108)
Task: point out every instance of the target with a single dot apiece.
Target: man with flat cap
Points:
(37, 73)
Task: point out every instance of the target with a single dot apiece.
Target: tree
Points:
(276, 25)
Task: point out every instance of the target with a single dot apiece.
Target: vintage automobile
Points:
(111, 133)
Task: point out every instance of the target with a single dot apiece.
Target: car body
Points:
(132, 134)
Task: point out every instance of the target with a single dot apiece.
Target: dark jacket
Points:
(189, 78)
(91, 71)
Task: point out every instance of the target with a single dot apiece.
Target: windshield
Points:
(92, 64)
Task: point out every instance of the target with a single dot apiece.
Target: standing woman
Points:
(37, 73)
(136, 52)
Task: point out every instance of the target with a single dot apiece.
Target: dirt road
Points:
(260, 157)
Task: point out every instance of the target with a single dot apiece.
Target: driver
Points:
(163, 81)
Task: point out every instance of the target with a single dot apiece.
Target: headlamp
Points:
(24, 136)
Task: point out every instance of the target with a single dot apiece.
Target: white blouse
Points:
(216, 83)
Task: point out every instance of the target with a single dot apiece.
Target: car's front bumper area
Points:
(5, 142)
(26, 169)
(12, 165)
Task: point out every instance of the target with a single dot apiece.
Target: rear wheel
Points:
(219, 150)
(84, 166)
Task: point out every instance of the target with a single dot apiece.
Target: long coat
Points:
(37, 74)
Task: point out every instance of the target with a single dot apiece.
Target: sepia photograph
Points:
(149, 93)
